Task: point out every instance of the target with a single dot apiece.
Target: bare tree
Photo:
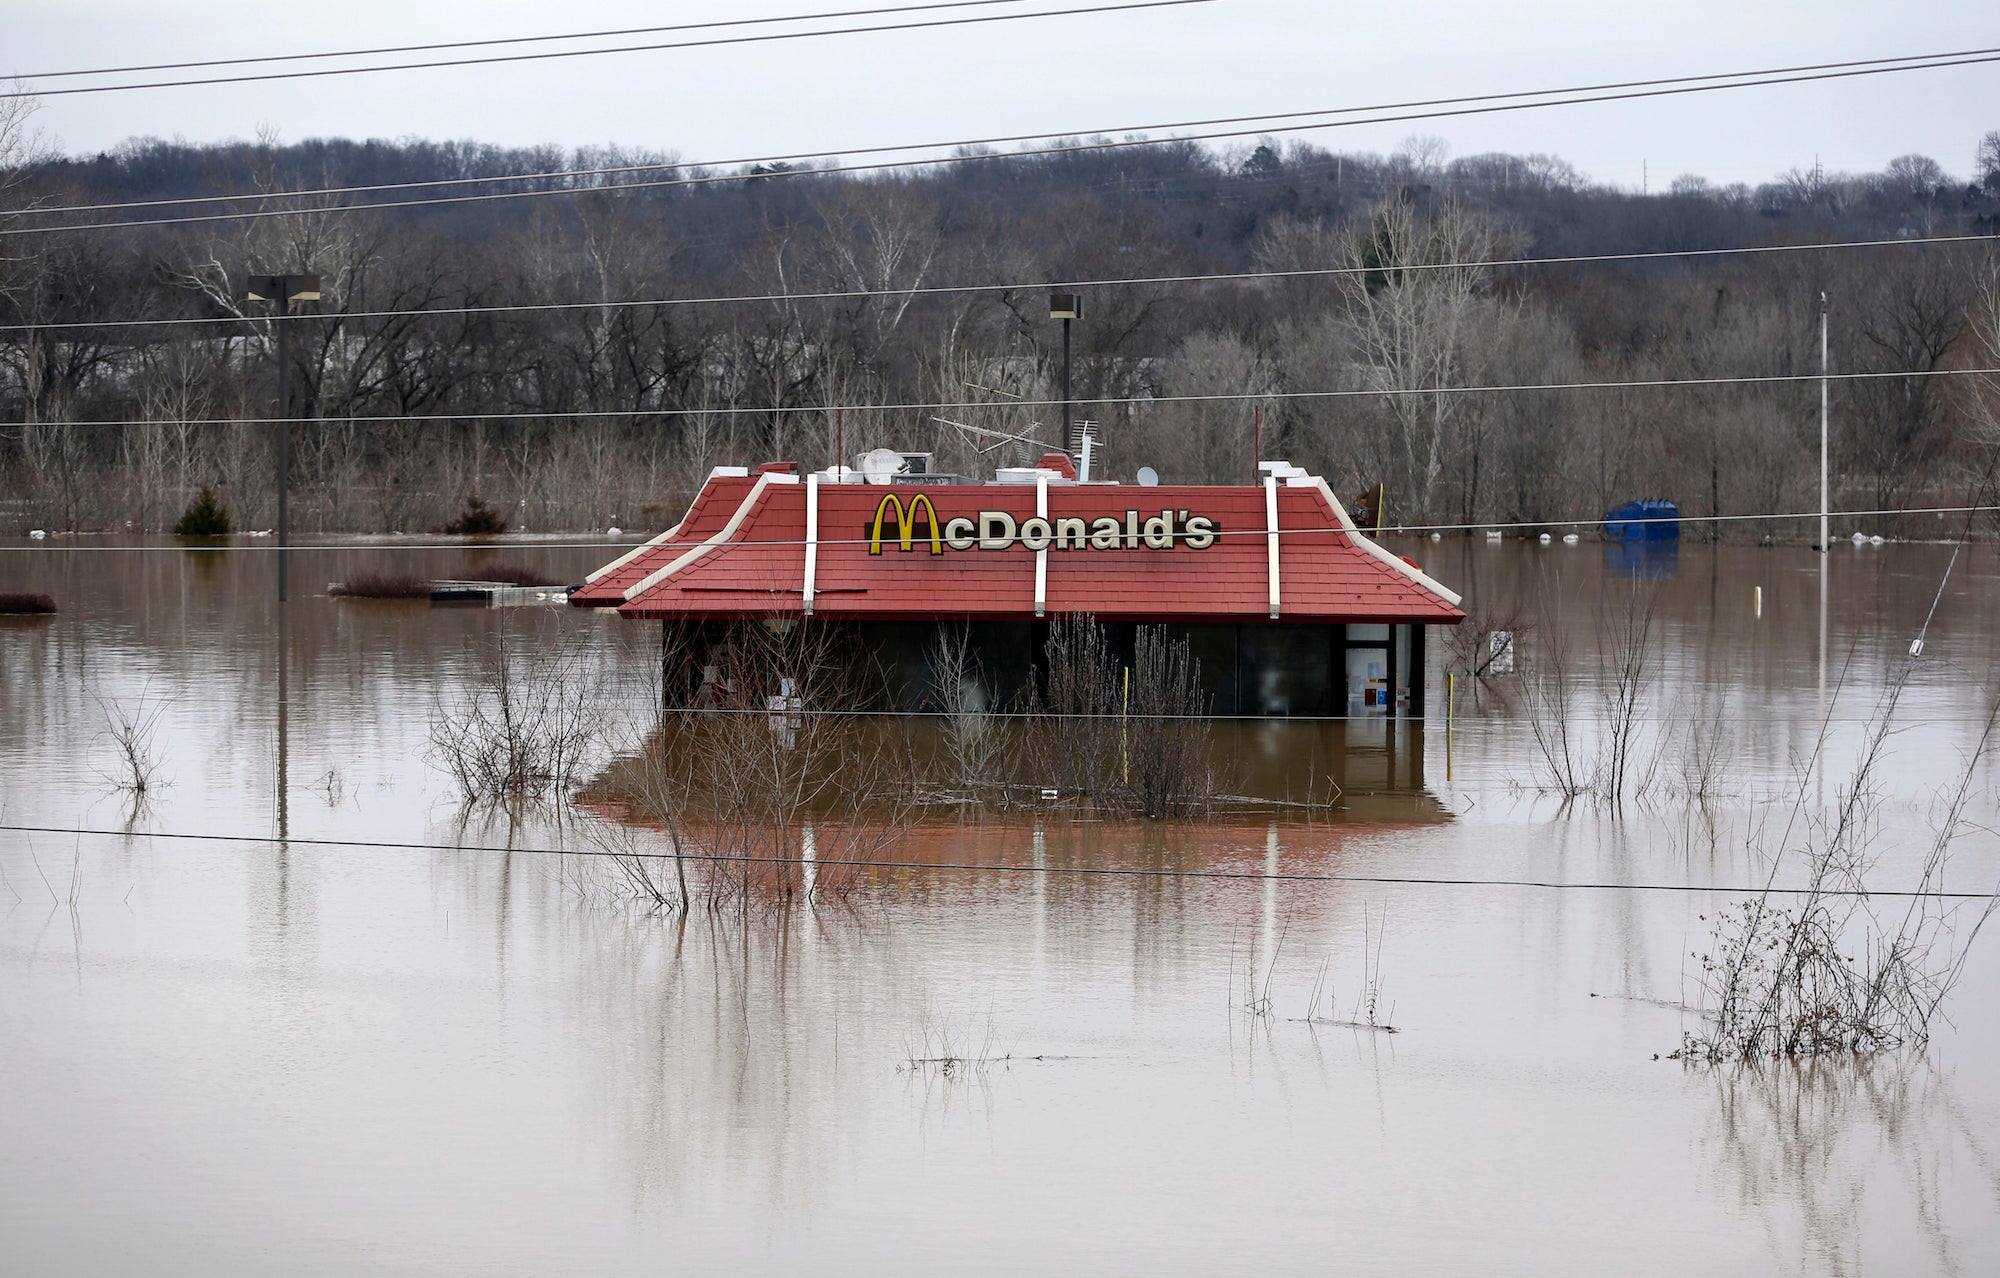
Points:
(1416, 288)
(1210, 442)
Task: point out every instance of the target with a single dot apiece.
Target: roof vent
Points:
(1059, 463)
(1023, 474)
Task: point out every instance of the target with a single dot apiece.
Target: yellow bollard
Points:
(1124, 713)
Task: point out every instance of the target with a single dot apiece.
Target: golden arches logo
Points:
(906, 523)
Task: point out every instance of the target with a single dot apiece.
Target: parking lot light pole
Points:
(1066, 307)
(284, 290)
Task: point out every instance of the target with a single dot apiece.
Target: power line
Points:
(25, 76)
(629, 48)
(1272, 397)
(1321, 530)
(938, 290)
(1925, 59)
(1071, 147)
(1246, 876)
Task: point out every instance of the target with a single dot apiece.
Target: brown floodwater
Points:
(333, 1055)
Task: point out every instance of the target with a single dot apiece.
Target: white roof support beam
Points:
(1271, 537)
(812, 541)
(1042, 555)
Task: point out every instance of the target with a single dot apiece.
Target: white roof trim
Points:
(727, 533)
(633, 553)
(1367, 543)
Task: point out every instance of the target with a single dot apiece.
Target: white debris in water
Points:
(613, 531)
(38, 534)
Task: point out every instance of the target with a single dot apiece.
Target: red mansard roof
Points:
(743, 551)
(713, 505)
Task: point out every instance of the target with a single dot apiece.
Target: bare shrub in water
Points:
(526, 726)
(131, 730)
(974, 744)
(1165, 737)
(1703, 742)
(1128, 738)
(1470, 649)
(777, 791)
(1627, 666)
(1548, 691)
(1367, 1011)
(950, 1044)
(1073, 741)
(1823, 969)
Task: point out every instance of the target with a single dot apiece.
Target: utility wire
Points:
(949, 290)
(1321, 530)
(1245, 876)
(573, 414)
(1072, 147)
(27, 76)
(1123, 130)
(627, 48)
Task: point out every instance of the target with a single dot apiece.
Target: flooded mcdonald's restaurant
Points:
(1288, 607)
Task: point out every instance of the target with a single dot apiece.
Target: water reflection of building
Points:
(1287, 606)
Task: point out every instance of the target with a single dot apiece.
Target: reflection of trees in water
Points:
(742, 1049)
(737, 1045)
(1834, 1156)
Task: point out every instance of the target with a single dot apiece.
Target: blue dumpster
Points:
(1643, 521)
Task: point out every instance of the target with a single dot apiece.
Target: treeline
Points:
(576, 374)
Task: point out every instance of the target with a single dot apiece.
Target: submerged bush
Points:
(31, 605)
(383, 585)
(205, 516)
(477, 520)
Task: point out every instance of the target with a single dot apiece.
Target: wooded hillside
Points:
(587, 299)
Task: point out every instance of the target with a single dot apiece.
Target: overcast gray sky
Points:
(1070, 74)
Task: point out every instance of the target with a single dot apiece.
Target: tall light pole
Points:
(284, 290)
(1067, 307)
(1824, 545)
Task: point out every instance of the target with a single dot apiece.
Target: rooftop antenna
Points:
(990, 390)
(1148, 477)
(1000, 437)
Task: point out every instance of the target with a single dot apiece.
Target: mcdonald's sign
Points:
(906, 522)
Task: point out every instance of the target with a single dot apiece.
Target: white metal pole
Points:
(1824, 545)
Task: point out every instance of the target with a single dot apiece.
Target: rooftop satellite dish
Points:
(881, 465)
(1148, 477)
